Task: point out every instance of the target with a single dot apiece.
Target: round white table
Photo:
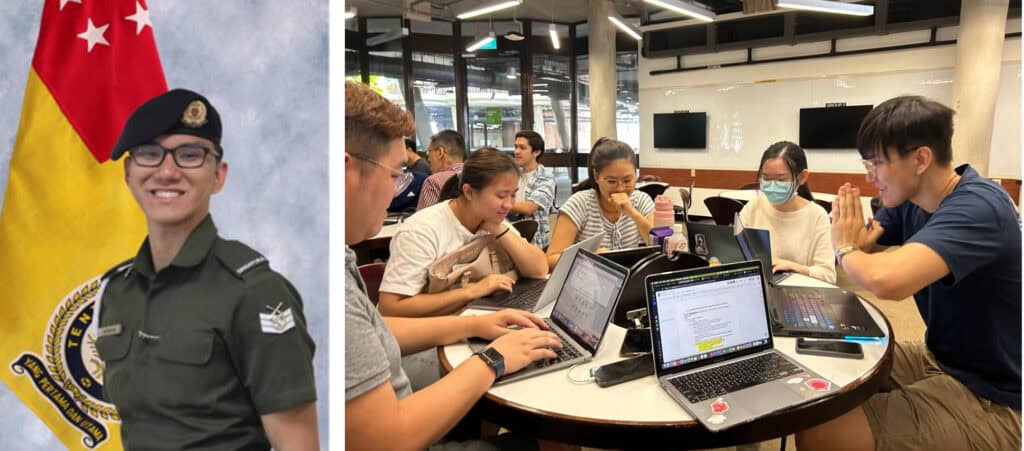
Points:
(639, 413)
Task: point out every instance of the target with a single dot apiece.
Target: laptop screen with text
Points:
(707, 314)
(588, 298)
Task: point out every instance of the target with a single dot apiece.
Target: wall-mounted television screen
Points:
(681, 130)
(831, 127)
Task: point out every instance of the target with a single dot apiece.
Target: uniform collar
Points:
(197, 246)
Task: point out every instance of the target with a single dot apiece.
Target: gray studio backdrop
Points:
(264, 66)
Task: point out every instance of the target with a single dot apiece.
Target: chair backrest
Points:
(527, 228)
(373, 250)
(824, 204)
(634, 294)
(372, 275)
(653, 189)
(723, 209)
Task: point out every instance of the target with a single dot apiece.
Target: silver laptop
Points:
(580, 317)
(535, 294)
(713, 348)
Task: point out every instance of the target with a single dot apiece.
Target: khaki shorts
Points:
(929, 409)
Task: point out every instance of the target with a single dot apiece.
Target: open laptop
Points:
(756, 244)
(821, 313)
(580, 316)
(535, 294)
(713, 348)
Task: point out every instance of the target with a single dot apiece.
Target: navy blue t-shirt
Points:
(973, 314)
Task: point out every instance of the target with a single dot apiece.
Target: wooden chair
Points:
(372, 275)
(723, 209)
(373, 250)
(527, 228)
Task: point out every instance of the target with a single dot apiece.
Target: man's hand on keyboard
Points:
(496, 324)
(522, 347)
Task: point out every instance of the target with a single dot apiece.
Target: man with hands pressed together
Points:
(960, 258)
(381, 411)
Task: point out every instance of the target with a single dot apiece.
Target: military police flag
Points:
(67, 215)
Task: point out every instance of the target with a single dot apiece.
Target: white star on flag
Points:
(141, 19)
(94, 35)
(65, 2)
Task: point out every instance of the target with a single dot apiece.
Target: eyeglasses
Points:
(627, 182)
(402, 179)
(186, 156)
(872, 165)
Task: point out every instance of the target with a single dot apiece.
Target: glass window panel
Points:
(494, 102)
(551, 109)
(386, 61)
(433, 94)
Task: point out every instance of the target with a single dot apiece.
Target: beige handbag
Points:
(469, 264)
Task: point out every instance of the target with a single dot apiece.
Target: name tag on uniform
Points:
(113, 329)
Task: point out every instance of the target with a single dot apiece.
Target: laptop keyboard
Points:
(734, 377)
(566, 352)
(803, 310)
(526, 298)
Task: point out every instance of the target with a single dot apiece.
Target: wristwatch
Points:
(843, 251)
(493, 359)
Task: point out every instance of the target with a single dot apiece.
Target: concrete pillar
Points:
(601, 38)
(979, 56)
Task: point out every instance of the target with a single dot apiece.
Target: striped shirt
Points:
(430, 194)
(584, 209)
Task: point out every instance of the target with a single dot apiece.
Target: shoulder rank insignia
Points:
(277, 320)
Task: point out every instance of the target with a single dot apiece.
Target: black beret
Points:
(178, 111)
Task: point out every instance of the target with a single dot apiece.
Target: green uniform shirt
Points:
(196, 353)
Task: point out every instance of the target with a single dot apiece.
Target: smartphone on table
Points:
(830, 348)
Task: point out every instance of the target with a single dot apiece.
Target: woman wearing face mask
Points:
(473, 203)
(606, 202)
(799, 228)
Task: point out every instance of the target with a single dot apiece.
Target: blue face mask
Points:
(777, 192)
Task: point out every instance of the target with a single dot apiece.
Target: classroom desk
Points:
(639, 414)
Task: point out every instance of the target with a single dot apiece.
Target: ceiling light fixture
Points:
(686, 9)
(553, 31)
(626, 27)
(481, 42)
(832, 7)
(496, 6)
(350, 13)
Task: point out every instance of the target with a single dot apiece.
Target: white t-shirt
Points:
(584, 209)
(420, 240)
(801, 236)
(524, 181)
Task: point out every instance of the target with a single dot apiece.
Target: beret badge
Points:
(194, 115)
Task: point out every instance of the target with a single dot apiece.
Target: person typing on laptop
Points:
(960, 258)
(799, 227)
(474, 203)
(381, 410)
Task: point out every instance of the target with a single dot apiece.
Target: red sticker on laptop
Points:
(719, 406)
(818, 384)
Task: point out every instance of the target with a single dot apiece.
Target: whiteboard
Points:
(745, 118)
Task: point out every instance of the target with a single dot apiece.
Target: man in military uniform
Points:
(205, 346)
